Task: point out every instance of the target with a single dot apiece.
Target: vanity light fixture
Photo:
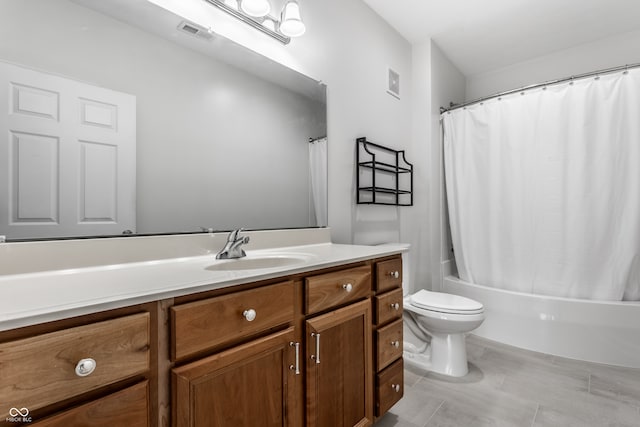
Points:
(257, 14)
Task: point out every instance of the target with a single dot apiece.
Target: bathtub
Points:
(596, 331)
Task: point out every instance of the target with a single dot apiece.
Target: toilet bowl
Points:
(443, 320)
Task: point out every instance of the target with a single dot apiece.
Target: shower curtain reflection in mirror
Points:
(544, 189)
(318, 179)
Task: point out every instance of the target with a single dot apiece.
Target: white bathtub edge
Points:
(595, 331)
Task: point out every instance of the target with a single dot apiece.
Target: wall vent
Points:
(196, 30)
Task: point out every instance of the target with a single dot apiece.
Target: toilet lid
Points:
(439, 301)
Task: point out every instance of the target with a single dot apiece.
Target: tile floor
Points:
(511, 387)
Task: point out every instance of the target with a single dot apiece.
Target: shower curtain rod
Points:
(453, 106)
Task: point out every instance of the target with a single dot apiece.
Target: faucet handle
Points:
(233, 235)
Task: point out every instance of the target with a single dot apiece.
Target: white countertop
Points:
(31, 298)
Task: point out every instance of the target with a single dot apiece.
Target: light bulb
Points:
(291, 24)
(256, 8)
(269, 23)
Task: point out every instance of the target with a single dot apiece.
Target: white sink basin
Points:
(257, 262)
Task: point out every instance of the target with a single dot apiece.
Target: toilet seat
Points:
(445, 303)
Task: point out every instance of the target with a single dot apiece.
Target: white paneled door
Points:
(67, 157)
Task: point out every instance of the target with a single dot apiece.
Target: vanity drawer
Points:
(329, 290)
(389, 274)
(41, 370)
(128, 407)
(388, 344)
(206, 324)
(389, 387)
(388, 306)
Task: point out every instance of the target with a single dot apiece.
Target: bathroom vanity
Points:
(305, 334)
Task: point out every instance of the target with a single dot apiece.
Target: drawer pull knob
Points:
(348, 287)
(85, 367)
(395, 344)
(250, 315)
(394, 274)
(396, 387)
(395, 306)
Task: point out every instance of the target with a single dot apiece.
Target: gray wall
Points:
(447, 85)
(608, 52)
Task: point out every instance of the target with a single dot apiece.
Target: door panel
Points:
(246, 386)
(34, 179)
(339, 389)
(67, 156)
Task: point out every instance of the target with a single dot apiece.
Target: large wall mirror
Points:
(117, 120)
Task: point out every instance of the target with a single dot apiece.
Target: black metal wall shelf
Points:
(383, 169)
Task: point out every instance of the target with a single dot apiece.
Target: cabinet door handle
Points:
(250, 315)
(316, 356)
(85, 367)
(394, 274)
(395, 306)
(395, 387)
(296, 367)
(348, 287)
(395, 344)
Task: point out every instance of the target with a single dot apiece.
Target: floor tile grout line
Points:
(434, 412)
(533, 421)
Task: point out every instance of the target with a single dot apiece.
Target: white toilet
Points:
(440, 321)
(435, 325)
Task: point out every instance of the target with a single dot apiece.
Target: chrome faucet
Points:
(232, 249)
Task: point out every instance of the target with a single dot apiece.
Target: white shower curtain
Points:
(544, 189)
(318, 178)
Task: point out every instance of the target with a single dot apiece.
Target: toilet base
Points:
(449, 354)
(446, 355)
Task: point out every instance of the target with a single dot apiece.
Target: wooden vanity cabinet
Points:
(348, 323)
(247, 359)
(338, 350)
(389, 387)
(92, 370)
(320, 348)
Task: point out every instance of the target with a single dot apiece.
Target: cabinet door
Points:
(245, 386)
(339, 367)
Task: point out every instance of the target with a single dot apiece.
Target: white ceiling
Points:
(479, 36)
